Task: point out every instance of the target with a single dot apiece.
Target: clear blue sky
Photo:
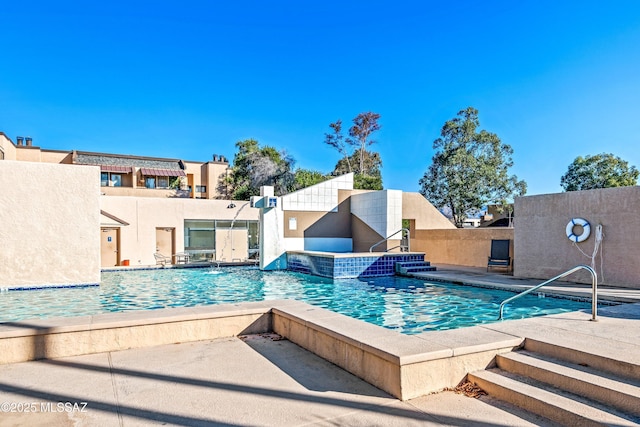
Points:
(554, 79)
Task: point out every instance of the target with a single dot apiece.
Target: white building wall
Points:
(49, 224)
(322, 197)
(380, 210)
(144, 214)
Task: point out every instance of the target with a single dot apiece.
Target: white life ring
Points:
(586, 230)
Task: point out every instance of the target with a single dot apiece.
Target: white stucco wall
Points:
(144, 214)
(49, 222)
(380, 210)
(322, 197)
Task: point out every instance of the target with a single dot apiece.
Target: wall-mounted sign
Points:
(293, 223)
(109, 239)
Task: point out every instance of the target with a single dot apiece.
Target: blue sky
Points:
(188, 79)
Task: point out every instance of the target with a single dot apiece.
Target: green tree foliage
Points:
(599, 171)
(371, 179)
(255, 166)
(365, 164)
(367, 182)
(469, 169)
(305, 178)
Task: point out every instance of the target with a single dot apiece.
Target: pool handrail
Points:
(594, 290)
(408, 245)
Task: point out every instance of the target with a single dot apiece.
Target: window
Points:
(163, 182)
(201, 188)
(150, 182)
(116, 180)
(200, 236)
(110, 179)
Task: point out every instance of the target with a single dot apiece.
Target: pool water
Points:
(406, 305)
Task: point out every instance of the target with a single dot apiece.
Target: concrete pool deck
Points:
(495, 279)
(227, 382)
(218, 378)
(264, 381)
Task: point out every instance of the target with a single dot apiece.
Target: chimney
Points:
(19, 140)
(28, 141)
(215, 157)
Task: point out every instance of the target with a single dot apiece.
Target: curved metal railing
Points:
(407, 246)
(594, 290)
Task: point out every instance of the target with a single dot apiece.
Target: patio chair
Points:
(499, 254)
(161, 259)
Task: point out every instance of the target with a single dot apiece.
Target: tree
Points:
(363, 126)
(599, 171)
(336, 140)
(305, 178)
(365, 164)
(255, 166)
(371, 178)
(469, 169)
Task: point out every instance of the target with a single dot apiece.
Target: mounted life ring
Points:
(586, 230)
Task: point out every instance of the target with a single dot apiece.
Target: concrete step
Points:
(625, 363)
(406, 268)
(425, 268)
(617, 392)
(414, 263)
(554, 404)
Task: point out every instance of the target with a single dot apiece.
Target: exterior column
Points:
(272, 251)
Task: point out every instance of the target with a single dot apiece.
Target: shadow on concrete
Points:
(108, 407)
(165, 417)
(622, 311)
(231, 387)
(307, 369)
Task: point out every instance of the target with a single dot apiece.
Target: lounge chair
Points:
(161, 259)
(499, 254)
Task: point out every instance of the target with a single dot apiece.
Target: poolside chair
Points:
(161, 259)
(499, 254)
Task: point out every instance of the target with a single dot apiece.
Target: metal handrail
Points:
(594, 290)
(408, 246)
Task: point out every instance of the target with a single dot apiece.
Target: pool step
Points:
(566, 386)
(405, 268)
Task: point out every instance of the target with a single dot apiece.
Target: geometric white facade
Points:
(380, 210)
(322, 197)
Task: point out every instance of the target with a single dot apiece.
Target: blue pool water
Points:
(406, 305)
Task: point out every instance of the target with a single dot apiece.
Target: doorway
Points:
(109, 247)
(165, 241)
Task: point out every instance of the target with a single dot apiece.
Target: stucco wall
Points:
(311, 224)
(49, 222)
(542, 249)
(28, 153)
(380, 210)
(426, 216)
(142, 191)
(460, 246)
(7, 147)
(144, 214)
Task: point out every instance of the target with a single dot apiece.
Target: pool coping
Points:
(405, 366)
(607, 294)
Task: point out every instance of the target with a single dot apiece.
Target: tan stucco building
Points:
(75, 211)
(143, 206)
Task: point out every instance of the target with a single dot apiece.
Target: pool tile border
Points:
(348, 265)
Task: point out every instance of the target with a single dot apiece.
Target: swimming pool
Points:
(403, 304)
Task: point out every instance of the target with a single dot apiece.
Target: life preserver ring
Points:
(586, 230)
